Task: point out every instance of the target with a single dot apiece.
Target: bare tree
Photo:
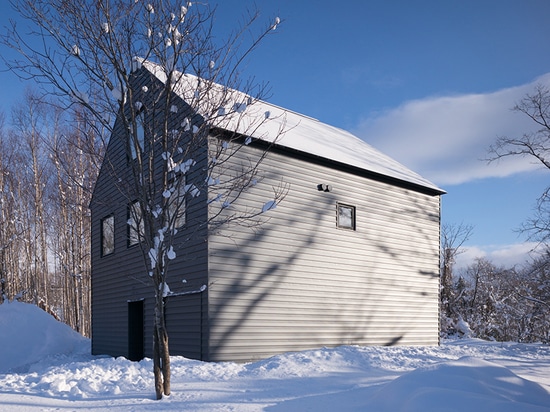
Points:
(453, 238)
(75, 155)
(534, 145)
(84, 52)
(7, 212)
(532, 289)
(12, 213)
(43, 218)
(506, 304)
(29, 120)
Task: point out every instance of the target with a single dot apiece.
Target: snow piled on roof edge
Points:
(271, 123)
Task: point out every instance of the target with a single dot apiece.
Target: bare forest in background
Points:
(47, 173)
(489, 301)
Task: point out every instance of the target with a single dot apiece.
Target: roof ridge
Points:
(300, 132)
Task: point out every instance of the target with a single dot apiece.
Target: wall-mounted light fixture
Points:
(323, 187)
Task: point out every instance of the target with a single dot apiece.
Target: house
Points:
(350, 256)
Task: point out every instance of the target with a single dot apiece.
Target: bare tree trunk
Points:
(13, 240)
(157, 362)
(165, 356)
(73, 156)
(90, 62)
(452, 239)
(161, 348)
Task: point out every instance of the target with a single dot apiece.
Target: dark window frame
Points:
(181, 199)
(140, 124)
(105, 250)
(352, 226)
(132, 234)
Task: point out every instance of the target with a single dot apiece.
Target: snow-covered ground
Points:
(44, 365)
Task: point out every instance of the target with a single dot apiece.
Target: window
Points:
(107, 235)
(176, 204)
(135, 224)
(140, 134)
(345, 218)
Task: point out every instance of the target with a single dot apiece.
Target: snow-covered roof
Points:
(262, 120)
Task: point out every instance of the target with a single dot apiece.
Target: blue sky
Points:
(430, 83)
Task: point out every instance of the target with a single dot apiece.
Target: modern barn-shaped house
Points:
(349, 256)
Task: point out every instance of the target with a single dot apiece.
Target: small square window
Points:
(107, 235)
(345, 216)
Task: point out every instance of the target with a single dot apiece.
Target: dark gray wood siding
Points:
(299, 282)
(185, 324)
(119, 277)
(123, 275)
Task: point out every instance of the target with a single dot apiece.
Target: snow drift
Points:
(44, 364)
(28, 335)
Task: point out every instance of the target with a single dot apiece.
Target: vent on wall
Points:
(323, 187)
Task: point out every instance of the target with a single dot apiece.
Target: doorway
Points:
(135, 330)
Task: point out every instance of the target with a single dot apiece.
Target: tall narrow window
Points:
(176, 204)
(140, 135)
(345, 218)
(107, 235)
(135, 224)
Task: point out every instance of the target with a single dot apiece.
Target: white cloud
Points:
(500, 255)
(446, 138)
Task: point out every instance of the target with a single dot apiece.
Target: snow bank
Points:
(29, 335)
(50, 368)
(468, 384)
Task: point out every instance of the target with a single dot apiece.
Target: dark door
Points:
(135, 330)
(184, 324)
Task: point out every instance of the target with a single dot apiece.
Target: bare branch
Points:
(169, 114)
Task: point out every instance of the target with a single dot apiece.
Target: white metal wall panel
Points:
(299, 282)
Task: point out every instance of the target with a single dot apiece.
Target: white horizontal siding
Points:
(298, 282)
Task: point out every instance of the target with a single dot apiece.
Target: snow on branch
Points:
(272, 204)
